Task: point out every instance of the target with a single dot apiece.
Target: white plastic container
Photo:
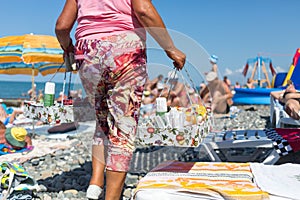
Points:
(49, 94)
(161, 106)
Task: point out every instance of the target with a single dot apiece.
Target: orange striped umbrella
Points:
(30, 54)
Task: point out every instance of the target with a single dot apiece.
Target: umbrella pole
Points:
(63, 91)
(32, 80)
(32, 87)
(69, 86)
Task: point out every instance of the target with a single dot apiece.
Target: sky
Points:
(234, 30)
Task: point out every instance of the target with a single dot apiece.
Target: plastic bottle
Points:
(49, 94)
(161, 106)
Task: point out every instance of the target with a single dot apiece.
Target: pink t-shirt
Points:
(99, 18)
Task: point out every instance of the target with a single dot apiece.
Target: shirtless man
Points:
(221, 96)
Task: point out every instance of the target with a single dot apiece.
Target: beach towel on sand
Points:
(15, 182)
(206, 180)
(279, 180)
(7, 150)
(41, 148)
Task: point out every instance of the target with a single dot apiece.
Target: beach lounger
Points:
(288, 122)
(268, 146)
(219, 180)
(239, 146)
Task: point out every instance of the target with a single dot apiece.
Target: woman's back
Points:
(104, 17)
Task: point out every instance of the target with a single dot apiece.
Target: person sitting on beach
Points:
(177, 95)
(14, 138)
(237, 85)
(40, 98)
(152, 85)
(250, 84)
(204, 93)
(227, 81)
(290, 99)
(147, 105)
(6, 118)
(147, 98)
(32, 92)
(220, 94)
(61, 97)
(194, 97)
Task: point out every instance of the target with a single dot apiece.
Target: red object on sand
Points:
(68, 102)
(292, 135)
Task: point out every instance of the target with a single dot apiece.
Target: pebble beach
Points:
(65, 173)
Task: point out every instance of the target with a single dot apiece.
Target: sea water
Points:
(18, 89)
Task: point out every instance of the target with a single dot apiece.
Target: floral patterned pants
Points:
(113, 73)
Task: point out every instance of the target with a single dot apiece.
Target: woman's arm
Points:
(293, 95)
(151, 20)
(65, 23)
(277, 94)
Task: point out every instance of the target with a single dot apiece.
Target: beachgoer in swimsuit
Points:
(14, 138)
(220, 94)
(290, 99)
(8, 118)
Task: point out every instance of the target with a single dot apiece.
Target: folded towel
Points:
(281, 180)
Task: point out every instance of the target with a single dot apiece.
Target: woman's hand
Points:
(177, 56)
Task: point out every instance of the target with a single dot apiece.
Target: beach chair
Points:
(239, 146)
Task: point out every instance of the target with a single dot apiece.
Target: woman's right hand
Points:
(177, 56)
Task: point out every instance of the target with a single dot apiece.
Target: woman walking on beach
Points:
(111, 54)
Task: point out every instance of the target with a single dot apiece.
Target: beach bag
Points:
(16, 182)
(174, 126)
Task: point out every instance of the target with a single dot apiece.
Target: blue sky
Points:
(234, 30)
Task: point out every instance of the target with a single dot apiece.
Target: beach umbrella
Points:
(26, 69)
(30, 54)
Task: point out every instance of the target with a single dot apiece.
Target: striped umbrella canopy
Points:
(30, 54)
(44, 68)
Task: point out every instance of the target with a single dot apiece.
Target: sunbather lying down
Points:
(290, 98)
(14, 138)
(8, 118)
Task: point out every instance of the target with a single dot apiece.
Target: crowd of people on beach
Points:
(38, 96)
(215, 93)
(176, 92)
